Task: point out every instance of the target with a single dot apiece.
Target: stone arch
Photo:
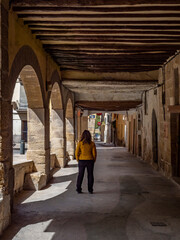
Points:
(154, 137)
(56, 97)
(69, 109)
(56, 124)
(25, 57)
(26, 66)
(56, 87)
(69, 130)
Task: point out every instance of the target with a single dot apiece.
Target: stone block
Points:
(70, 137)
(57, 132)
(58, 151)
(38, 156)
(53, 161)
(5, 214)
(57, 142)
(61, 162)
(35, 144)
(35, 181)
(20, 170)
(41, 159)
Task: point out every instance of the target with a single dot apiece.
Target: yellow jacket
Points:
(86, 151)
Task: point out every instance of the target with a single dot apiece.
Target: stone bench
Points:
(26, 178)
(21, 168)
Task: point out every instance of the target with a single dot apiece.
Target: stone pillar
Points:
(102, 132)
(6, 169)
(38, 139)
(57, 137)
(69, 139)
(107, 131)
(78, 124)
(84, 123)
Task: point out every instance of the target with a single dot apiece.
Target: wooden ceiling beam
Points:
(89, 2)
(105, 52)
(110, 56)
(130, 36)
(107, 105)
(106, 32)
(120, 64)
(133, 40)
(99, 70)
(99, 16)
(111, 69)
(107, 38)
(103, 64)
(55, 9)
(109, 46)
(84, 22)
(91, 82)
(90, 27)
(111, 60)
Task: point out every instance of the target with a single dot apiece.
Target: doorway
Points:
(175, 144)
(134, 136)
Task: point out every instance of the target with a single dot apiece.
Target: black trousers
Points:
(82, 165)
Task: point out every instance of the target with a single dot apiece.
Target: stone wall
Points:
(120, 130)
(144, 137)
(157, 121)
(170, 76)
(159, 100)
(150, 105)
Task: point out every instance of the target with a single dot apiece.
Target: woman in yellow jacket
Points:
(86, 156)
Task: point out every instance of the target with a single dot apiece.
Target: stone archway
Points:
(26, 66)
(69, 130)
(57, 147)
(25, 56)
(154, 137)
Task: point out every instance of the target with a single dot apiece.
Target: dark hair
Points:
(86, 137)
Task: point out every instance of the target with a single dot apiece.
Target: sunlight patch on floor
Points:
(48, 193)
(35, 231)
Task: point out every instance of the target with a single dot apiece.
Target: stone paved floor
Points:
(129, 199)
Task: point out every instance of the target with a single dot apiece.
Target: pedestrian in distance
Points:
(86, 157)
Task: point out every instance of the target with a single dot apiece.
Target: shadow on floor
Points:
(78, 223)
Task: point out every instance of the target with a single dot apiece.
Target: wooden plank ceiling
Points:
(121, 41)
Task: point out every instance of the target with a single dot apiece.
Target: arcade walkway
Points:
(131, 202)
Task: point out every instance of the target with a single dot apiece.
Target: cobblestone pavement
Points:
(131, 201)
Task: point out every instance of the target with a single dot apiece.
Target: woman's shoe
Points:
(78, 191)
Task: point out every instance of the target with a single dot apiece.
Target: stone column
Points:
(38, 140)
(84, 123)
(78, 125)
(57, 137)
(107, 131)
(69, 139)
(6, 169)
